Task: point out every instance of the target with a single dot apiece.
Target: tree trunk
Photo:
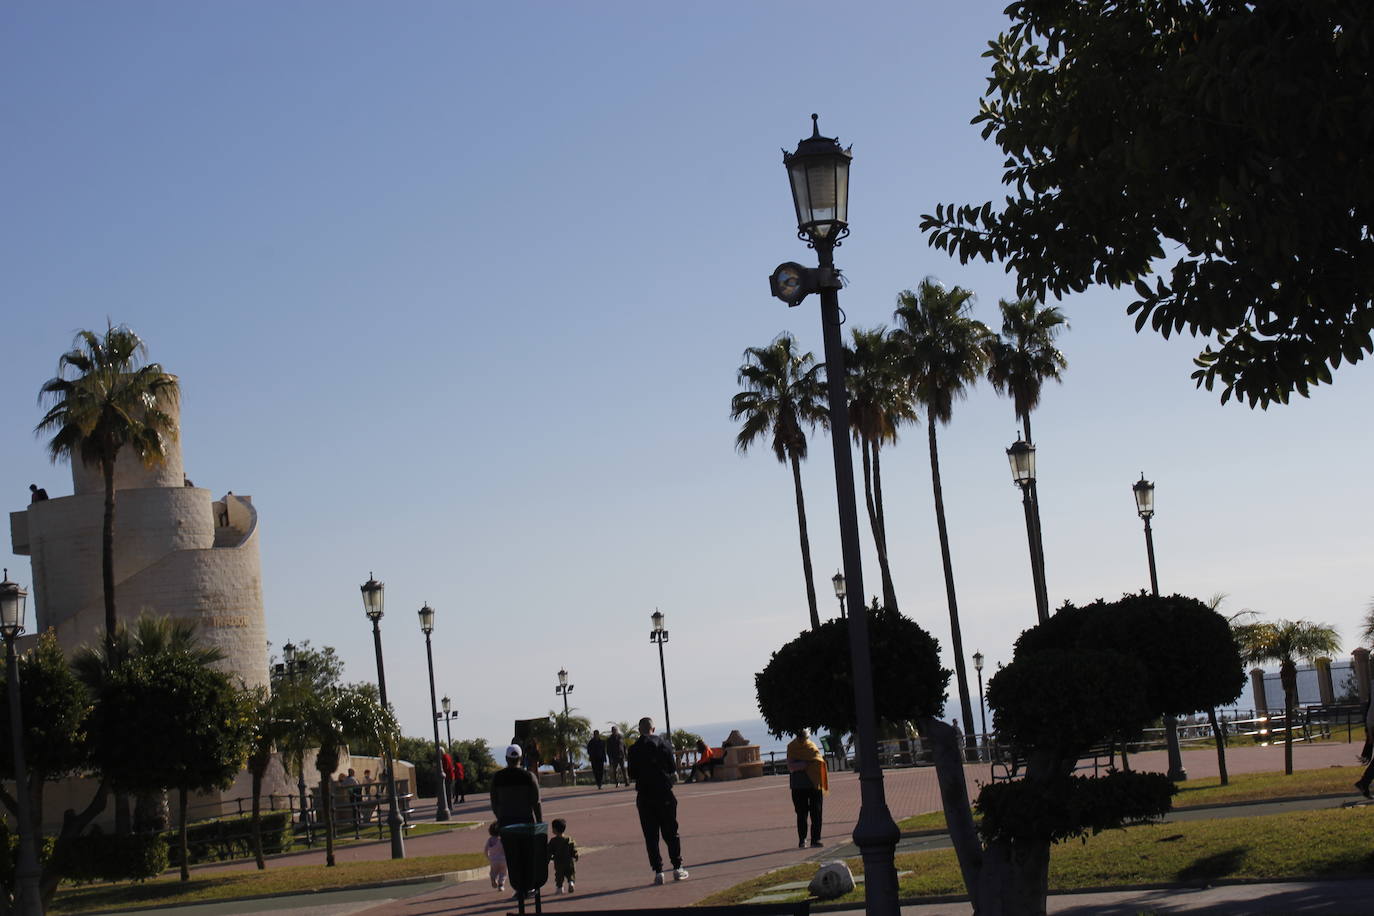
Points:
(257, 819)
(872, 496)
(949, 773)
(327, 800)
(152, 811)
(956, 638)
(1015, 879)
(183, 839)
(1220, 738)
(805, 543)
(107, 553)
(72, 826)
(1288, 675)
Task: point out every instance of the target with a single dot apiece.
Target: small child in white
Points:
(496, 855)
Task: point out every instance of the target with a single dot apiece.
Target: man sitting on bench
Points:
(707, 759)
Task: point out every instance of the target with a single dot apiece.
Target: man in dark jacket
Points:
(653, 767)
(615, 752)
(515, 792)
(596, 753)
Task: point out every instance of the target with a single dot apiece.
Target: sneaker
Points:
(658, 877)
(679, 874)
(801, 844)
(815, 843)
(558, 889)
(570, 887)
(1363, 788)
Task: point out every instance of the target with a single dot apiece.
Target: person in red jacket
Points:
(708, 758)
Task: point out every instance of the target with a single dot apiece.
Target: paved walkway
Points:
(735, 831)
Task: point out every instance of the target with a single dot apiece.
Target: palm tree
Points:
(783, 392)
(1286, 641)
(108, 401)
(1023, 356)
(1367, 634)
(942, 353)
(879, 402)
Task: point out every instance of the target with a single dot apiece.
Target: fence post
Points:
(1359, 660)
(1324, 685)
(1257, 687)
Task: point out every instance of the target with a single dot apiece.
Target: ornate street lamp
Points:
(374, 604)
(982, 706)
(441, 802)
(660, 636)
(818, 171)
(838, 581)
(29, 898)
(1022, 458)
(1144, 492)
(563, 689)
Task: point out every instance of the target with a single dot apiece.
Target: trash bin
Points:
(527, 855)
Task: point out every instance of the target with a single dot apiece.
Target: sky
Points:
(457, 292)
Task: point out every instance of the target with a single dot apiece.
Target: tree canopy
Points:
(1239, 132)
(809, 682)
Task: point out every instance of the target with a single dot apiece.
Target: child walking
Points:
(496, 855)
(563, 852)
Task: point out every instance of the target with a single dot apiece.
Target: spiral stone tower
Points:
(179, 552)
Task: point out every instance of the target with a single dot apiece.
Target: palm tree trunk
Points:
(868, 449)
(257, 820)
(956, 638)
(107, 552)
(185, 846)
(805, 543)
(326, 799)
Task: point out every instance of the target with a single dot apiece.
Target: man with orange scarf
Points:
(810, 781)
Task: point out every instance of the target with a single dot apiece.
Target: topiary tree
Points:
(809, 682)
(1076, 679)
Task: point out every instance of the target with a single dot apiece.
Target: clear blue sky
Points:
(457, 292)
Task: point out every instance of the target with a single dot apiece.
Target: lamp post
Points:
(660, 636)
(982, 706)
(819, 175)
(374, 602)
(838, 581)
(29, 898)
(563, 689)
(448, 715)
(441, 796)
(1022, 458)
(290, 669)
(1144, 491)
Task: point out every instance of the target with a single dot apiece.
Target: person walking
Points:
(496, 858)
(615, 753)
(809, 781)
(563, 854)
(515, 792)
(596, 754)
(653, 767)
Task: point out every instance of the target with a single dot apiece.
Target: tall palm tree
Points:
(1024, 356)
(784, 391)
(1367, 634)
(879, 402)
(943, 352)
(104, 399)
(1286, 641)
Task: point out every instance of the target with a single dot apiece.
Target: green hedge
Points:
(105, 857)
(230, 838)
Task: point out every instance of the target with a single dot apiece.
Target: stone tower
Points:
(179, 552)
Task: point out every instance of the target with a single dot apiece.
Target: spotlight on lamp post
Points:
(818, 171)
(982, 706)
(1022, 458)
(660, 636)
(838, 581)
(441, 794)
(290, 667)
(1144, 491)
(29, 898)
(374, 604)
(563, 689)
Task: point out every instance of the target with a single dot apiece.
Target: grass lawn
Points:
(277, 879)
(1309, 844)
(1198, 792)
